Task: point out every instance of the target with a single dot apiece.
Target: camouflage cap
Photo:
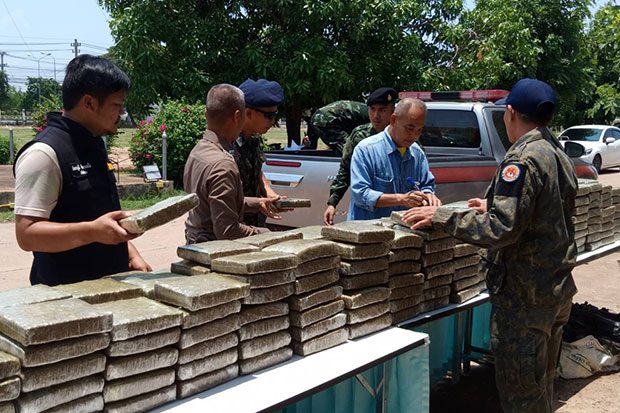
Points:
(382, 96)
(262, 93)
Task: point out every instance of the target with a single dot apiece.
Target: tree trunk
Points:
(293, 123)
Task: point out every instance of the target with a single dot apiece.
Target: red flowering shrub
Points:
(184, 125)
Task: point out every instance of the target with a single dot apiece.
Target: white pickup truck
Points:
(464, 144)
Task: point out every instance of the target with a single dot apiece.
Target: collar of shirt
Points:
(390, 146)
(215, 138)
(534, 135)
(242, 140)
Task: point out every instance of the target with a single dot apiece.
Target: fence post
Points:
(164, 155)
(11, 150)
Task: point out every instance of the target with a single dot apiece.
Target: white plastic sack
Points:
(585, 357)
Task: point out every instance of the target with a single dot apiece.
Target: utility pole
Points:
(2, 65)
(75, 45)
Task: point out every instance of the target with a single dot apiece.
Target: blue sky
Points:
(29, 23)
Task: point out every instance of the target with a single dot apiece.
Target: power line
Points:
(15, 24)
(31, 44)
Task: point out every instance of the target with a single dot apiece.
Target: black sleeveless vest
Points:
(88, 191)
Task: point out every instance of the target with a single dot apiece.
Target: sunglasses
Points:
(267, 115)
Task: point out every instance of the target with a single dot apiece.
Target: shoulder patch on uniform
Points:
(511, 179)
(511, 173)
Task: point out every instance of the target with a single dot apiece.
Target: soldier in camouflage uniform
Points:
(530, 236)
(380, 107)
(334, 122)
(262, 98)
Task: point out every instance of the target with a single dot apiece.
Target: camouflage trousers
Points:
(526, 345)
(334, 138)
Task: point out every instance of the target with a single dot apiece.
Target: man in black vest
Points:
(66, 203)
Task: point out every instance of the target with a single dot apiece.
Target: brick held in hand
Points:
(159, 214)
(293, 203)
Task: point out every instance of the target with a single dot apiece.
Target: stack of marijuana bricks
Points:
(58, 341)
(363, 249)
(316, 315)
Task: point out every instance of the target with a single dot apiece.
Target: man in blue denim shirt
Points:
(389, 172)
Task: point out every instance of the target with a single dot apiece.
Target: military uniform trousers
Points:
(526, 344)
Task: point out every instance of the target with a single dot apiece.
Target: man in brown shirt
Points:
(211, 172)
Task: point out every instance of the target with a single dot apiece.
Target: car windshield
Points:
(585, 134)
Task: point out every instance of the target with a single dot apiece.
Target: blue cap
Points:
(262, 93)
(528, 97)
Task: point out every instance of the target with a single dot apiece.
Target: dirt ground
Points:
(597, 282)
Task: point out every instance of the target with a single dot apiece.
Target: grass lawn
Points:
(24, 134)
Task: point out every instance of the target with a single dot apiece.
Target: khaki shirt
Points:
(211, 172)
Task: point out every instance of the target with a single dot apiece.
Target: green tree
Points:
(49, 88)
(499, 42)
(318, 51)
(4, 90)
(604, 54)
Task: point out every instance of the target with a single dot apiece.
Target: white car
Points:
(601, 142)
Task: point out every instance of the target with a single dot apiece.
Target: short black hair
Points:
(91, 75)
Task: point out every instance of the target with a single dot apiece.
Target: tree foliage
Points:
(49, 89)
(498, 42)
(604, 55)
(321, 51)
(318, 51)
(4, 90)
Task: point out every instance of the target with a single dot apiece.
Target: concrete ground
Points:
(597, 282)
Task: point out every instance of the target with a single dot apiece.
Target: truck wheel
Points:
(596, 162)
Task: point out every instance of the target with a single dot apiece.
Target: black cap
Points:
(262, 93)
(382, 96)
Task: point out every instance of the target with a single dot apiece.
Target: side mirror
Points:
(574, 149)
(609, 140)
